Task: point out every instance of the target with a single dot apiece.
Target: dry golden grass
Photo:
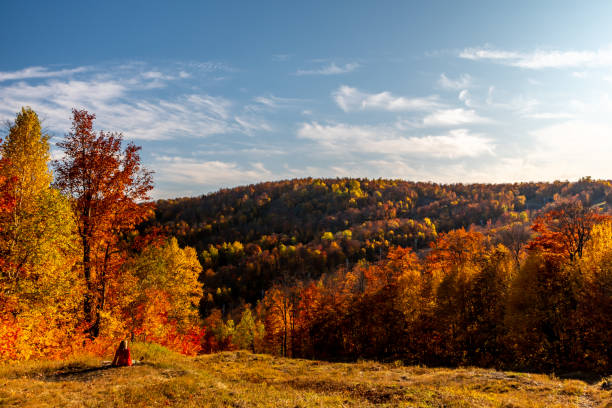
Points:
(242, 379)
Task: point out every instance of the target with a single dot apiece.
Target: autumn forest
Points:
(512, 276)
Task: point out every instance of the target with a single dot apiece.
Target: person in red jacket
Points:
(122, 355)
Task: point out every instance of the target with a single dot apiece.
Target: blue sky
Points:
(227, 93)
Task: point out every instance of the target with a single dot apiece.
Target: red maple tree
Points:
(110, 189)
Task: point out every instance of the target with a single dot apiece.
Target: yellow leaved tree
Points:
(156, 297)
(39, 288)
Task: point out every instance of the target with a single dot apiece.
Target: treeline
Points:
(510, 275)
(251, 237)
(75, 275)
(470, 300)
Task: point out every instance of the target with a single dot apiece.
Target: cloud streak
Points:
(351, 99)
(382, 140)
(38, 72)
(464, 81)
(331, 69)
(120, 102)
(454, 117)
(541, 59)
(204, 175)
(276, 102)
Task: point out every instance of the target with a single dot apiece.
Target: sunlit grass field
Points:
(242, 379)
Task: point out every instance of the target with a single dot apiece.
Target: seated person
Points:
(122, 356)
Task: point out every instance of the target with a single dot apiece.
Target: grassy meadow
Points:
(242, 379)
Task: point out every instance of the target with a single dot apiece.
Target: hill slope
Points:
(242, 379)
(248, 237)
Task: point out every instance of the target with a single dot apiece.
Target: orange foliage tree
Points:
(281, 303)
(108, 185)
(9, 332)
(556, 297)
(7, 196)
(565, 230)
(454, 263)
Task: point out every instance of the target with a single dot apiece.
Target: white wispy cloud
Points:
(206, 174)
(269, 101)
(518, 104)
(340, 138)
(462, 82)
(454, 117)
(158, 75)
(251, 124)
(209, 66)
(275, 102)
(541, 59)
(352, 99)
(119, 100)
(331, 69)
(466, 97)
(38, 72)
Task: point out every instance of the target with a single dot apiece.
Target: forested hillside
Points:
(250, 237)
(512, 276)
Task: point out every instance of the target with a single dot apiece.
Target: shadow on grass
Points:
(79, 373)
(587, 377)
